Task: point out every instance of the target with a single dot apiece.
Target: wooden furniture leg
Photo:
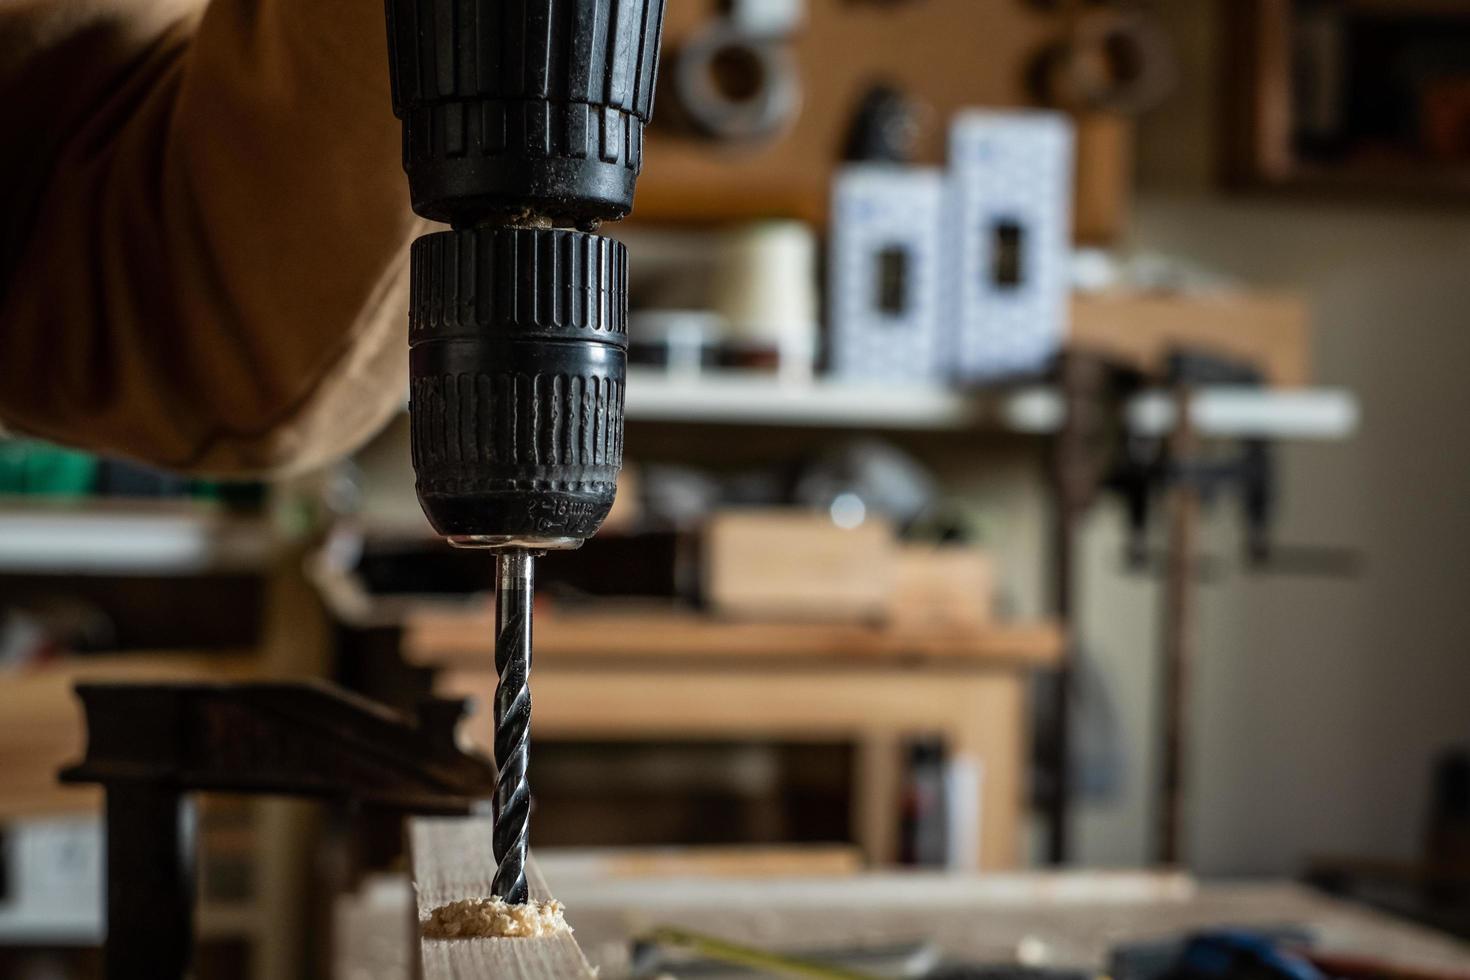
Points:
(991, 740)
(877, 796)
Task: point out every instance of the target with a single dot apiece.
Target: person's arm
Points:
(211, 276)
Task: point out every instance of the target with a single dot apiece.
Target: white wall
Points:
(1319, 703)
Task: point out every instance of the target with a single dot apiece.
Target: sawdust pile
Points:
(491, 918)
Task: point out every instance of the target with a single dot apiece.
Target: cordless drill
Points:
(522, 129)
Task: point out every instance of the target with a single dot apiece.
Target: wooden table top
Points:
(445, 638)
(1067, 918)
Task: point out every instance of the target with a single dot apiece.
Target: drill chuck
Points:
(518, 341)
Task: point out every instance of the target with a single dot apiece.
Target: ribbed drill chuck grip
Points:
(523, 106)
(518, 340)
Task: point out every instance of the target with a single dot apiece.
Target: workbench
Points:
(1059, 919)
(1054, 919)
(670, 675)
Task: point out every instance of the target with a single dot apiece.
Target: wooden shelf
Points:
(1308, 414)
(130, 538)
(745, 398)
(740, 397)
(453, 638)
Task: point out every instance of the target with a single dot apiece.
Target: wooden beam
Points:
(877, 795)
(438, 638)
(452, 861)
(720, 861)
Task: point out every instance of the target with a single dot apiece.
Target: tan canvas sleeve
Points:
(209, 269)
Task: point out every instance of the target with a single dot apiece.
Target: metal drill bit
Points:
(513, 601)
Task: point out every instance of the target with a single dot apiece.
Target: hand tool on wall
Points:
(1114, 58)
(1094, 390)
(1187, 472)
(1245, 468)
(736, 80)
(522, 129)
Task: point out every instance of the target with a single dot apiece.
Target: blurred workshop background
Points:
(1047, 446)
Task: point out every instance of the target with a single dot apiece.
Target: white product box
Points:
(1009, 240)
(886, 273)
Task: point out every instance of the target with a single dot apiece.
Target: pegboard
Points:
(951, 54)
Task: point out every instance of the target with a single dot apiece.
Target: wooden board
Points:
(452, 860)
(374, 937)
(1269, 330)
(949, 54)
(436, 637)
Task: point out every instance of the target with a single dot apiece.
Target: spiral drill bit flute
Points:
(522, 129)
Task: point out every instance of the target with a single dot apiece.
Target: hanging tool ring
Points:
(734, 85)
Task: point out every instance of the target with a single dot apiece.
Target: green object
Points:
(40, 469)
(756, 959)
(12, 467)
(238, 495)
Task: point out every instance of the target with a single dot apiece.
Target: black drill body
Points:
(522, 129)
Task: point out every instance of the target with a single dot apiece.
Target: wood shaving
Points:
(492, 918)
